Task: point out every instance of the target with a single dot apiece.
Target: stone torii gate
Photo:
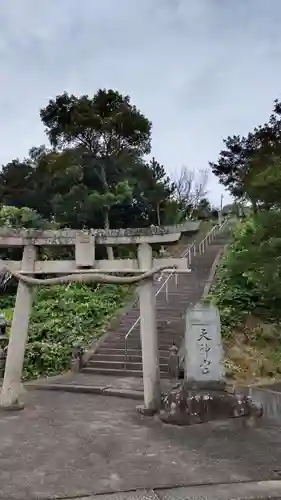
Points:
(86, 269)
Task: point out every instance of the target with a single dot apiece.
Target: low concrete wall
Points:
(270, 401)
(185, 227)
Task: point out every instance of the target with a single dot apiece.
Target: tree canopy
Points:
(94, 172)
(249, 167)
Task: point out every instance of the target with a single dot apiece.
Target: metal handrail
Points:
(191, 250)
(210, 236)
(187, 252)
(138, 320)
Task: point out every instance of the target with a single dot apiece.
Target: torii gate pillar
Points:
(149, 336)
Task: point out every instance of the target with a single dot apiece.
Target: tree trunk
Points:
(110, 253)
(162, 249)
(255, 207)
(158, 214)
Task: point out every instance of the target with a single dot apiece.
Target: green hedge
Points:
(63, 317)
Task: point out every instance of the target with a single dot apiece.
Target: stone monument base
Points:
(191, 403)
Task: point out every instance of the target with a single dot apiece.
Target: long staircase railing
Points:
(189, 253)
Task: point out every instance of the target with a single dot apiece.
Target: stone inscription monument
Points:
(204, 352)
(203, 395)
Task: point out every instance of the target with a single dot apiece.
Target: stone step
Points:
(166, 343)
(176, 331)
(110, 356)
(163, 315)
(121, 352)
(137, 345)
(163, 333)
(116, 357)
(111, 371)
(116, 365)
(175, 293)
(118, 373)
(173, 314)
(136, 358)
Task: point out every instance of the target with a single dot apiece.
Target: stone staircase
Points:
(112, 358)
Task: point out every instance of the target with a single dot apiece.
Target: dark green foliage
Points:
(63, 317)
(104, 124)
(248, 281)
(249, 167)
(95, 174)
(11, 216)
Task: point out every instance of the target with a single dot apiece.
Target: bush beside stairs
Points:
(109, 357)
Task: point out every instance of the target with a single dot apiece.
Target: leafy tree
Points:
(249, 166)
(265, 186)
(17, 218)
(16, 177)
(94, 174)
(21, 218)
(231, 165)
(160, 191)
(204, 209)
(152, 189)
(103, 128)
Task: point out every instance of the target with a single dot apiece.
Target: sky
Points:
(200, 70)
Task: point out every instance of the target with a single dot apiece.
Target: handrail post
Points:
(167, 291)
(125, 364)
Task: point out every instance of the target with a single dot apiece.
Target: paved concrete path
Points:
(65, 444)
(246, 491)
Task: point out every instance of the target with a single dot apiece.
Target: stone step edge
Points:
(267, 489)
(107, 390)
(87, 389)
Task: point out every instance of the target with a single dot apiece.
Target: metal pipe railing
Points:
(187, 253)
(165, 284)
(190, 252)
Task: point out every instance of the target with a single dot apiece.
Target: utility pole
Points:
(222, 197)
(220, 212)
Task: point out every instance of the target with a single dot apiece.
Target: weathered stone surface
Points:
(146, 412)
(77, 359)
(203, 344)
(202, 396)
(185, 406)
(85, 250)
(19, 237)
(71, 233)
(173, 362)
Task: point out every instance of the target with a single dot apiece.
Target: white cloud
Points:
(200, 70)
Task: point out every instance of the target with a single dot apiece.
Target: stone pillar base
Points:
(13, 407)
(188, 403)
(146, 412)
